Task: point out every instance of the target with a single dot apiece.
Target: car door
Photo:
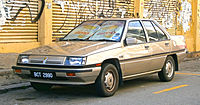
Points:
(158, 42)
(135, 53)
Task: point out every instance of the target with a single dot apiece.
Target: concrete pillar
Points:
(196, 8)
(190, 34)
(138, 8)
(45, 24)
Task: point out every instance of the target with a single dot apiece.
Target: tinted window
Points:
(151, 31)
(160, 33)
(136, 31)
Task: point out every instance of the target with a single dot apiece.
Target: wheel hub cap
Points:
(109, 80)
(169, 69)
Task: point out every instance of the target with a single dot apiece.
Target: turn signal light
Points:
(18, 71)
(99, 64)
(71, 74)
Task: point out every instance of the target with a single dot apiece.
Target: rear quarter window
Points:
(160, 33)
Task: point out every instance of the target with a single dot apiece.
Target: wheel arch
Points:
(116, 63)
(176, 61)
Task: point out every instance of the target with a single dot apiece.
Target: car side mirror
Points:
(131, 41)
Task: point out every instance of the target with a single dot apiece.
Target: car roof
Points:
(121, 19)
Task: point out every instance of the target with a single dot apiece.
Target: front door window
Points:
(136, 32)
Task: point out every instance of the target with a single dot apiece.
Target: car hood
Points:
(74, 48)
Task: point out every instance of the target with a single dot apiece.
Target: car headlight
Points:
(23, 59)
(75, 61)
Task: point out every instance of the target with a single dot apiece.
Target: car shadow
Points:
(140, 82)
(89, 90)
(81, 93)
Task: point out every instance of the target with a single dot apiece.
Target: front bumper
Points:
(83, 76)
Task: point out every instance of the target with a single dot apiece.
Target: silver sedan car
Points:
(104, 52)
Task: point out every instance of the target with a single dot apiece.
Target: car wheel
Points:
(108, 81)
(168, 70)
(41, 86)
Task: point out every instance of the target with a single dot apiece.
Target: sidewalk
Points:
(9, 81)
(6, 74)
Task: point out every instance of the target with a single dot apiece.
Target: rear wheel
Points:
(108, 81)
(168, 70)
(41, 86)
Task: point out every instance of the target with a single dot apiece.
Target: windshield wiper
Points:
(77, 39)
(105, 40)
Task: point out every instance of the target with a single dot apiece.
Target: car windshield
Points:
(98, 30)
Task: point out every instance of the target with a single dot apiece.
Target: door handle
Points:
(146, 47)
(166, 44)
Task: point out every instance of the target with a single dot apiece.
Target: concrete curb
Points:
(5, 71)
(10, 87)
(5, 89)
(190, 59)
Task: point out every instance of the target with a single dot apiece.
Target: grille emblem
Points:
(45, 60)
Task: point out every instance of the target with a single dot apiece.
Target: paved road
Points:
(183, 90)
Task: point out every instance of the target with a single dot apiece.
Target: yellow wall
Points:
(17, 47)
(18, 25)
(192, 36)
(198, 26)
(43, 34)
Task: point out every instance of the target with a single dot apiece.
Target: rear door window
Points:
(160, 33)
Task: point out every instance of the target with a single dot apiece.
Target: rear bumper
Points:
(83, 76)
(182, 55)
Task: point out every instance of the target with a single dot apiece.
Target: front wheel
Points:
(41, 86)
(168, 70)
(108, 81)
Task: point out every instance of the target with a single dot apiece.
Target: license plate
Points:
(45, 75)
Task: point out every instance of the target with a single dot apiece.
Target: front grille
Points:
(36, 61)
(46, 60)
(54, 62)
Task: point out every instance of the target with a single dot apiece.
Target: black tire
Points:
(41, 86)
(168, 70)
(110, 74)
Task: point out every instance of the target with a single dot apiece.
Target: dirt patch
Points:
(8, 60)
(6, 75)
(191, 65)
(8, 78)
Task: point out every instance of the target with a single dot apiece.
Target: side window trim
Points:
(154, 24)
(146, 38)
(145, 31)
(161, 30)
(142, 28)
(155, 30)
